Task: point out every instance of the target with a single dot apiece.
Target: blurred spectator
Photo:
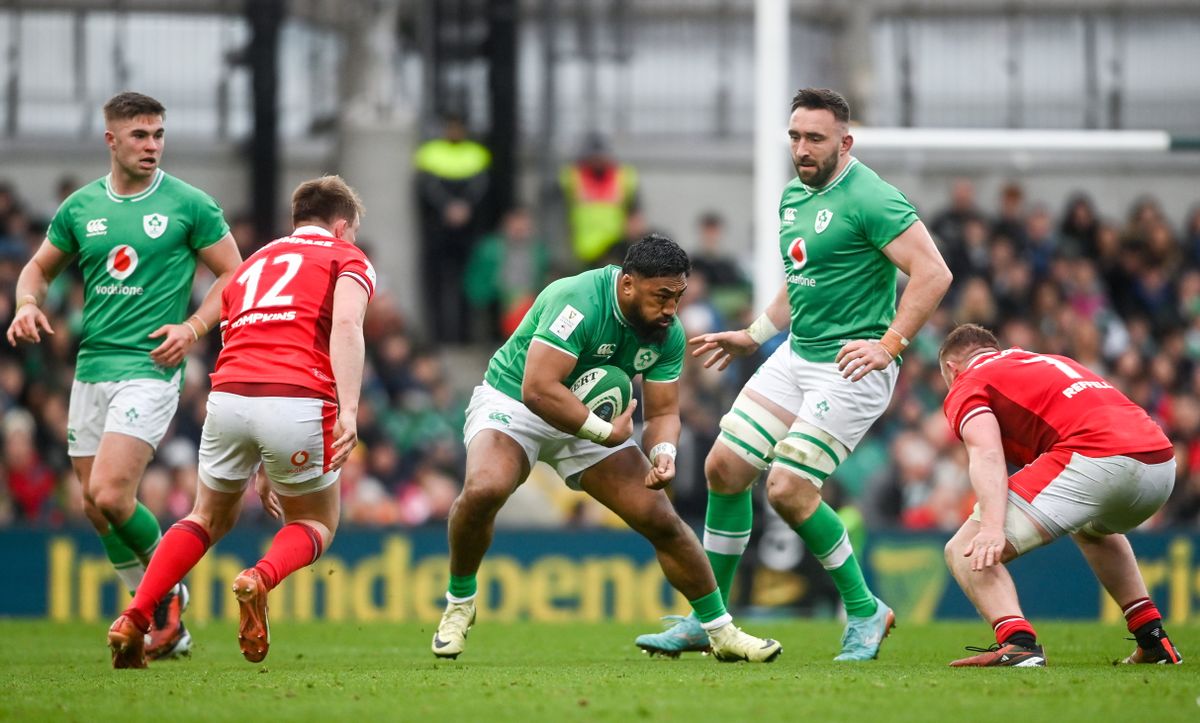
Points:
(949, 226)
(1010, 221)
(506, 271)
(1079, 228)
(30, 483)
(452, 182)
(728, 288)
(599, 194)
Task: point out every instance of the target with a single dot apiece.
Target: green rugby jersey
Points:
(580, 316)
(137, 254)
(840, 284)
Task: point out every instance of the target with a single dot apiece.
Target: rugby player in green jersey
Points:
(136, 233)
(623, 316)
(843, 234)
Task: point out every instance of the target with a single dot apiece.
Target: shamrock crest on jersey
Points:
(154, 224)
(824, 216)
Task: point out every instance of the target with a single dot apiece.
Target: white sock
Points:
(132, 576)
(717, 623)
(459, 600)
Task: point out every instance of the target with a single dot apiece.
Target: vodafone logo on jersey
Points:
(122, 262)
(798, 253)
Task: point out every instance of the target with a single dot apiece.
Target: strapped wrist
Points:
(595, 429)
(893, 342)
(663, 448)
(26, 300)
(762, 329)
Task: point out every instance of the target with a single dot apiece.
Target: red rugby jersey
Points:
(277, 311)
(1044, 402)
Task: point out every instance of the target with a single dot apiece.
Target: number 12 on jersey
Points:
(251, 277)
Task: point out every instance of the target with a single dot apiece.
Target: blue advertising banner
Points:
(568, 575)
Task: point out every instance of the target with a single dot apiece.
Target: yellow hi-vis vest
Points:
(452, 161)
(597, 208)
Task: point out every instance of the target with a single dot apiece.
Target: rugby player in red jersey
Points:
(1093, 465)
(285, 395)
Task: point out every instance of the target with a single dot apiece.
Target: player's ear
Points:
(339, 228)
(627, 282)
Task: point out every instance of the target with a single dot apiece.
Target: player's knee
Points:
(795, 494)
(113, 503)
(662, 528)
(726, 473)
(950, 551)
(482, 497)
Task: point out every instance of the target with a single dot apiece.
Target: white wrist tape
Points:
(762, 329)
(663, 448)
(595, 428)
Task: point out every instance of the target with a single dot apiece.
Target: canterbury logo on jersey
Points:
(97, 227)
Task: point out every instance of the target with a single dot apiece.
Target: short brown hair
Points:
(327, 198)
(822, 99)
(129, 104)
(965, 338)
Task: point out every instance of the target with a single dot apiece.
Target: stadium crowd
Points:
(1121, 296)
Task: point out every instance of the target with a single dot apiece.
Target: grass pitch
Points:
(532, 672)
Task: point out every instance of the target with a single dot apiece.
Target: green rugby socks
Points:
(727, 523)
(826, 537)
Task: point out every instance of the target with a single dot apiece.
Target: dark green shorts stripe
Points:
(796, 466)
(749, 450)
(824, 447)
(757, 427)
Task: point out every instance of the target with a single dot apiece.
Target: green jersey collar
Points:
(134, 197)
(836, 179)
(620, 315)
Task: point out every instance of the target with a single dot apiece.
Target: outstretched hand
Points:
(725, 345)
(26, 323)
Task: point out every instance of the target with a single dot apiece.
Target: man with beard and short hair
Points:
(622, 316)
(843, 233)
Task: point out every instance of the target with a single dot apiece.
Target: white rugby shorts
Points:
(141, 408)
(569, 455)
(292, 437)
(1095, 495)
(818, 394)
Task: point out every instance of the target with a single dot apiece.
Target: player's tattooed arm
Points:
(29, 320)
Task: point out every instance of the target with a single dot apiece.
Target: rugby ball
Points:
(605, 390)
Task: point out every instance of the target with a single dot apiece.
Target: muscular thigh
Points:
(618, 483)
(495, 461)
